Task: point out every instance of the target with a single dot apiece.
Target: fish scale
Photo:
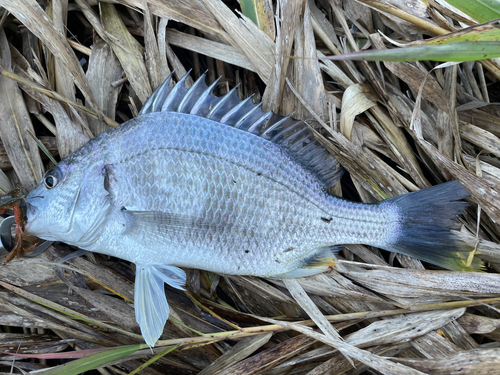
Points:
(246, 195)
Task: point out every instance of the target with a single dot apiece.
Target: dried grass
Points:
(374, 311)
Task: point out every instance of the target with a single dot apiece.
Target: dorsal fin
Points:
(292, 135)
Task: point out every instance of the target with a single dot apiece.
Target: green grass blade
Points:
(42, 147)
(480, 10)
(96, 360)
(486, 32)
(464, 51)
(261, 14)
(249, 9)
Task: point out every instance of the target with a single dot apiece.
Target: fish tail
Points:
(426, 220)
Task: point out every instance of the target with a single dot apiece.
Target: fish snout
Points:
(31, 215)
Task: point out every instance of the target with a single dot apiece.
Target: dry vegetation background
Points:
(71, 69)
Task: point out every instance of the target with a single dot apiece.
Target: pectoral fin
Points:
(147, 225)
(151, 306)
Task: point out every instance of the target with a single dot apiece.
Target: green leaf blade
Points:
(480, 10)
(93, 361)
(463, 51)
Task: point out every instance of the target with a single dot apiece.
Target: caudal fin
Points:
(427, 217)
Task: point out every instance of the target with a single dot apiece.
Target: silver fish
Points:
(218, 184)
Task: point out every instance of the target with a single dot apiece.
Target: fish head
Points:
(69, 204)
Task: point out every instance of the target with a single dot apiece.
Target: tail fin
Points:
(427, 217)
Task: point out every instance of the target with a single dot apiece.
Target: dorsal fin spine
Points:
(190, 99)
(224, 105)
(267, 133)
(248, 115)
(176, 95)
(226, 119)
(258, 124)
(202, 105)
(162, 91)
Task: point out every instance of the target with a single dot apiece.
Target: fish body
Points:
(182, 190)
(215, 191)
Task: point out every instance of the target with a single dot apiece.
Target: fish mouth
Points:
(31, 215)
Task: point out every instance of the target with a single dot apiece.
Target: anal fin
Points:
(320, 261)
(151, 306)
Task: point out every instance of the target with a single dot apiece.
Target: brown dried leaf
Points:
(433, 345)
(480, 137)
(48, 142)
(153, 63)
(244, 35)
(64, 82)
(374, 361)
(20, 343)
(30, 314)
(27, 274)
(104, 70)
(105, 277)
(16, 123)
(413, 77)
(166, 53)
(128, 50)
(270, 357)
(326, 290)
(482, 119)
(402, 329)
(308, 80)
(478, 324)
(356, 99)
(285, 31)
(36, 20)
(209, 48)
(425, 286)
(5, 184)
(372, 173)
(262, 288)
(478, 361)
(183, 11)
(398, 143)
(363, 135)
(310, 308)
(118, 310)
(238, 352)
(71, 131)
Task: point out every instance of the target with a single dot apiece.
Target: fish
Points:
(218, 184)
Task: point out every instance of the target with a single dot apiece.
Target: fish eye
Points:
(52, 178)
(50, 181)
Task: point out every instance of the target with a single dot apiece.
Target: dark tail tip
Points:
(427, 218)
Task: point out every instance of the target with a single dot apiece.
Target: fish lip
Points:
(31, 215)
